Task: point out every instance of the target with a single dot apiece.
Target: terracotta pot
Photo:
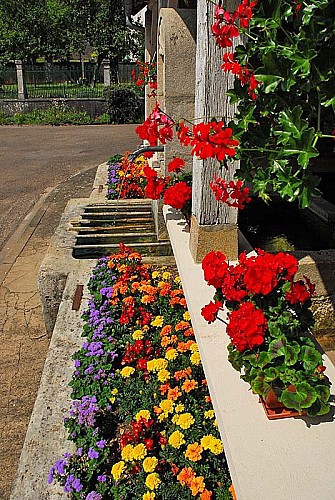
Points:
(274, 409)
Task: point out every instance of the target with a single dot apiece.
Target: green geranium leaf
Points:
(281, 347)
(270, 82)
(323, 392)
(304, 397)
(310, 358)
(270, 374)
(259, 385)
(318, 408)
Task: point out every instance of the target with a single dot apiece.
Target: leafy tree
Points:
(101, 24)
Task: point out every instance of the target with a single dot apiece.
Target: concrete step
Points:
(145, 249)
(97, 238)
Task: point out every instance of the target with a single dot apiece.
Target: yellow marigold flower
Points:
(152, 481)
(194, 347)
(193, 452)
(127, 371)
(171, 354)
(166, 275)
(138, 335)
(177, 280)
(142, 414)
(120, 173)
(186, 316)
(176, 439)
(185, 420)
(157, 364)
(115, 391)
(206, 441)
(139, 451)
(195, 358)
(175, 419)
(167, 405)
(158, 321)
(117, 470)
(162, 417)
(179, 408)
(149, 495)
(216, 446)
(209, 414)
(215, 423)
(155, 274)
(127, 453)
(112, 400)
(163, 375)
(150, 464)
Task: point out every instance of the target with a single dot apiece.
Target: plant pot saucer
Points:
(279, 412)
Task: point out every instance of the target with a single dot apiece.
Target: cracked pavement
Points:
(23, 339)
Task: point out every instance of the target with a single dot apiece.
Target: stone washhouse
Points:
(191, 84)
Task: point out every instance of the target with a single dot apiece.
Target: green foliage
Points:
(53, 116)
(291, 52)
(123, 104)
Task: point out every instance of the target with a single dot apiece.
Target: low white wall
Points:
(292, 458)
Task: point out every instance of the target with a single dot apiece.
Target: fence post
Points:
(107, 73)
(21, 83)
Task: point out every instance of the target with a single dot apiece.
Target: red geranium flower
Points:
(246, 327)
(177, 195)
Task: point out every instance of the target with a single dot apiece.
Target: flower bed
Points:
(126, 179)
(141, 418)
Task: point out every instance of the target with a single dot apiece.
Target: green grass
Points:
(52, 116)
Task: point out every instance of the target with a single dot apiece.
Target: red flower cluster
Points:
(155, 185)
(226, 24)
(247, 327)
(157, 127)
(178, 195)
(184, 134)
(243, 73)
(146, 75)
(176, 165)
(253, 276)
(300, 292)
(232, 193)
(213, 140)
(139, 353)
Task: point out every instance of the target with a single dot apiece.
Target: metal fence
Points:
(63, 81)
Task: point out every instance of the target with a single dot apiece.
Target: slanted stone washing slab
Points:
(46, 438)
(269, 460)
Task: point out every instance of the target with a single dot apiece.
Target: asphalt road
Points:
(36, 158)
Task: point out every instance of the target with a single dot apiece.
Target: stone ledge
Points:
(268, 460)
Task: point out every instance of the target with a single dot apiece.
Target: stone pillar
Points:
(21, 83)
(213, 224)
(107, 73)
(176, 72)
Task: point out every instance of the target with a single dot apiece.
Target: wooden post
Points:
(214, 224)
(107, 72)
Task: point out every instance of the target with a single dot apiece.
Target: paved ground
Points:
(25, 175)
(34, 158)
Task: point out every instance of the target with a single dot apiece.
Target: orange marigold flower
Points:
(193, 452)
(158, 410)
(165, 289)
(197, 485)
(189, 332)
(113, 302)
(174, 339)
(147, 299)
(174, 469)
(182, 325)
(174, 301)
(128, 301)
(182, 302)
(206, 495)
(174, 293)
(204, 382)
(166, 330)
(110, 264)
(232, 492)
(180, 374)
(208, 399)
(166, 341)
(185, 476)
(151, 290)
(135, 286)
(174, 393)
(189, 385)
(164, 388)
(184, 346)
